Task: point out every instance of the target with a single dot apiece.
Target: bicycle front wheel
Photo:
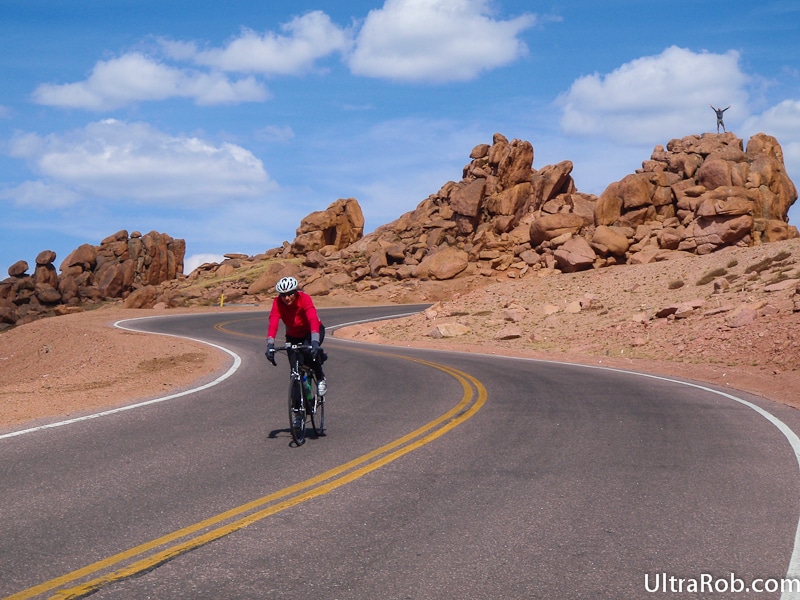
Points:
(297, 413)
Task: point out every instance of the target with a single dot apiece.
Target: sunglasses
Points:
(288, 294)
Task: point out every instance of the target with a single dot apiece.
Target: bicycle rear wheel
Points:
(297, 413)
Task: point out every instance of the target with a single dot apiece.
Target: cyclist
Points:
(298, 313)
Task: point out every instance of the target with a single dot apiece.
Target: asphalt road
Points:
(443, 475)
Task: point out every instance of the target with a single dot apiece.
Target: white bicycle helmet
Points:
(286, 285)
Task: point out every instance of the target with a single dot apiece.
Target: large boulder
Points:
(575, 255)
(444, 264)
(144, 297)
(514, 166)
(84, 256)
(549, 182)
(549, 227)
(610, 240)
(114, 279)
(467, 199)
(45, 274)
(710, 233)
(509, 201)
(339, 226)
(18, 268)
(45, 257)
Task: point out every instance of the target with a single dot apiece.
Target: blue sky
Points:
(226, 123)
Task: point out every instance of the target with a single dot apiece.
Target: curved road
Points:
(443, 475)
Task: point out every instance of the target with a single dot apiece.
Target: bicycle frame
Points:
(297, 367)
(304, 400)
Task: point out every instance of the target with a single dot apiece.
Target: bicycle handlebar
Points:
(288, 347)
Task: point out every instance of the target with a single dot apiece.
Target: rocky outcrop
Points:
(340, 225)
(120, 265)
(703, 193)
(503, 218)
(699, 195)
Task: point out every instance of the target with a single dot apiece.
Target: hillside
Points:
(745, 335)
(731, 318)
(699, 195)
(688, 266)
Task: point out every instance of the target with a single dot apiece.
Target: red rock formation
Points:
(117, 267)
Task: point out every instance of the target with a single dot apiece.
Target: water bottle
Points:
(307, 394)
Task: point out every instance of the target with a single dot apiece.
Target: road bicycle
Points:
(305, 403)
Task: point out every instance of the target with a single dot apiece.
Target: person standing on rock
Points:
(297, 311)
(719, 112)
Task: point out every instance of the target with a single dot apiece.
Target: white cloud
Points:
(274, 133)
(40, 195)
(782, 121)
(115, 160)
(406, 40)
(656, 98)
(190, 263)
(5, 112)
(435, 40)
(310, 37)
(135, 77)
(178, 50)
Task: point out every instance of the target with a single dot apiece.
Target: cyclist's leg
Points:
(318, 414)
(321, 357)
(316, 362)
(316, 365)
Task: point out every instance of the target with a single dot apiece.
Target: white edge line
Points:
(384, 318)
(237, 362)
(793, 571)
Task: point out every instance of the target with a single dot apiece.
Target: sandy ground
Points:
(80, 363)
(745, 337)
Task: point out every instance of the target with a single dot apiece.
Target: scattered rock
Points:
(786, 284)
(508, 333)
(448, 330)
(721, 285)
(742, 316)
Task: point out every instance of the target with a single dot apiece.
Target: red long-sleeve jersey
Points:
(300, 317)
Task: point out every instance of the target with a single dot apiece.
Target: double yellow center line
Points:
(150, 555)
